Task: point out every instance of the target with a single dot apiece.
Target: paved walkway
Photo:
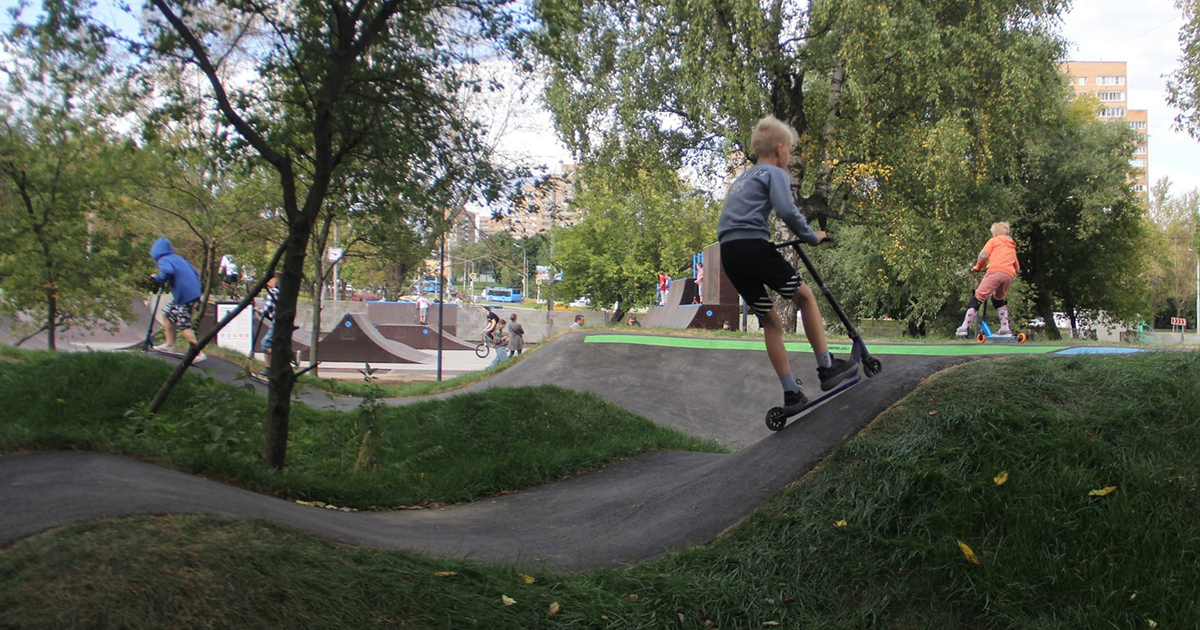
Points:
(627, 512)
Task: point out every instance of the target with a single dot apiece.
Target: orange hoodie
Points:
(1000, 254)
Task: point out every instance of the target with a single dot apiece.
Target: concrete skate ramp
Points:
(423, 337)
(122, 336)
(405, 313)
(626, 512)
(679, 312)
(356, 340)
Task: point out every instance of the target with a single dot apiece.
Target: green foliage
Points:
(1050, 555)
(636, 218)
(64, 248)
(1183, 85)
(1172, 267)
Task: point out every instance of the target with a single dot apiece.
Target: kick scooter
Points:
(777, 417)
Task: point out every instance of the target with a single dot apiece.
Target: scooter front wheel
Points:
(981, 337)
(1022, 338)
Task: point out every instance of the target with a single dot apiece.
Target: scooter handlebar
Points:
(784, 245)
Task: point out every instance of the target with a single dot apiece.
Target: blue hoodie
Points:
(173, 269)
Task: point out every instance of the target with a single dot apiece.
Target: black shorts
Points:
(753, 265)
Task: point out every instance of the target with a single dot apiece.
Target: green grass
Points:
(917, 482)
(452, 450)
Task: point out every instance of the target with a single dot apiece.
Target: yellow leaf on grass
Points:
(840, 524)
(445, 573)
(967, 553)
(1152, 623)
(1103, 492)
(1001, 478)
(528, 578)
(508, 601)
(553, 608)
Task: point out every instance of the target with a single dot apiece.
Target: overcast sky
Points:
(1145, 35)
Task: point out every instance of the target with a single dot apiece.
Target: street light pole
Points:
(524, 273)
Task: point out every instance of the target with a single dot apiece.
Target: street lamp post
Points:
(1197, 289)
(524, 273)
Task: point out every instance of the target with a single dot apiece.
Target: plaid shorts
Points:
(180, 314)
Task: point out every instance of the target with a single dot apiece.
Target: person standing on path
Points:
(516, 335)
(422, 309)
(999, 257)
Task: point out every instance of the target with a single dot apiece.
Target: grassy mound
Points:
(441, 451)
(876, 538)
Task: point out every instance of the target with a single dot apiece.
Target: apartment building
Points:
(1107, 82)
(545, 204)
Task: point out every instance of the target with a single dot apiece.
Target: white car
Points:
(581, 302)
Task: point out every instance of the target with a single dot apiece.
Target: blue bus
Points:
(502, 294)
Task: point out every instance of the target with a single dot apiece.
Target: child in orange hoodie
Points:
(999, 256)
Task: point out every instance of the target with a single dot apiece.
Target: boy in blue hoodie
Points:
(753, 264)
(184, 281)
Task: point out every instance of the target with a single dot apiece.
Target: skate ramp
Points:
(405, 314)
(123, 335)
(356, 340)
(679, 312)
(423, 337)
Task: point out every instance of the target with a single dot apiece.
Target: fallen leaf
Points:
(1133, 596)
(967, 553)
(838, 525)
(62, 401)
(1001, 478)
(770, 601)
(445, 573)
(529, 579)
(1103, 492)
(508, 601)
(1152, 623)
(770, 624)
(311, 503)
(933, 412)
(681, 618)
(632, 598)
(553, 608)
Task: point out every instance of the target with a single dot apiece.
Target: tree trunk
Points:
(1045, 309)
(51, 318)
(283, 378)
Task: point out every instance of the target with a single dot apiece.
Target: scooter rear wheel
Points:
(981, 337)
(872, 366)
(776, 418)
(1022, 338)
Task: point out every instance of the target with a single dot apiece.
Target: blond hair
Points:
(769, 132)
(1000, 229)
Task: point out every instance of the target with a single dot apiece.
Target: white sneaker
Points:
(200, 356)
(164, 348)
(961, 331)
(1004, 332)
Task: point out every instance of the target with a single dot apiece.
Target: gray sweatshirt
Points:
(749, 202)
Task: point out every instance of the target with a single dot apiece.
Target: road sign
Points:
(1179, 321)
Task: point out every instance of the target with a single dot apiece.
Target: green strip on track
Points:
(953, 350)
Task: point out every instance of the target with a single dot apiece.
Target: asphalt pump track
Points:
(629, 511)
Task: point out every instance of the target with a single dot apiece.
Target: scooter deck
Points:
(175, 354)
(777, 417)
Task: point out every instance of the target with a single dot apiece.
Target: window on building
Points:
(1082, 81)
(1112, 112)
(1137, 124)
(1110, 80)
(1138, 163)
(1139, 150)
(1111, 96)
(1139, 188)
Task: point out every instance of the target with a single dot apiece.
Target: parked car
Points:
(581, 302)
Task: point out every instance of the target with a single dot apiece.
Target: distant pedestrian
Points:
(267, 313)
(501, 343)
(663, 282)
(516, 335)
(578, 322)
(422, 309)
(632, 321)
(700, 282)
(184, 280)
